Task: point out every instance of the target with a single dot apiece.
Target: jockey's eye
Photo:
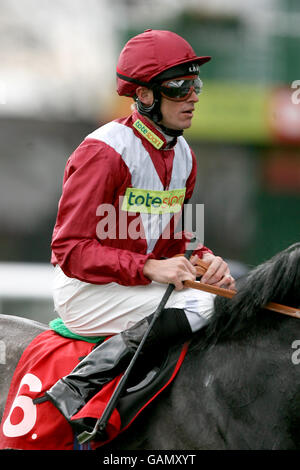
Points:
(180, 89)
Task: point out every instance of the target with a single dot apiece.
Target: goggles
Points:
(181, 88)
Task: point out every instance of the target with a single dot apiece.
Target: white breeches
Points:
(101, 310)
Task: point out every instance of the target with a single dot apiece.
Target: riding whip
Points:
(101, 423)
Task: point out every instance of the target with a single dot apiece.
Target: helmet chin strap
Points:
(170, 132)
(153, 112)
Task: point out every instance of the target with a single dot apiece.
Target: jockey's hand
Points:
(170, 271)
(218, 273)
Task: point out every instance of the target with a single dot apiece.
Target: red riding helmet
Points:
(149, 54)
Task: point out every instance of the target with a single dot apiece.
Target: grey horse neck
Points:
(16, 334)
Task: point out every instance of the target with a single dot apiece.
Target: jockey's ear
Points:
(145, 95)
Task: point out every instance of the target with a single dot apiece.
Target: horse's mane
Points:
(276, 280)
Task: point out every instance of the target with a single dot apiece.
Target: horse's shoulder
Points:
(20, 324)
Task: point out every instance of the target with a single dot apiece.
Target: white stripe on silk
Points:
(123, 140)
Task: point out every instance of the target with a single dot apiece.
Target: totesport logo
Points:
(148, 134)
(153, 202)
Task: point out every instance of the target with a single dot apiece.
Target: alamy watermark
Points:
(117, 223)
(296, 94)
(296, 353)
(2, 352)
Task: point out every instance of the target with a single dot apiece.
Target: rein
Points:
(201, 268)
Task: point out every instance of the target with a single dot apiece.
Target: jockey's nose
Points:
(193, 97)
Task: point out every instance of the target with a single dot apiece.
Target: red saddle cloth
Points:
(29, 426)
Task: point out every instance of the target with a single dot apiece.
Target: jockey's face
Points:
(178, 115)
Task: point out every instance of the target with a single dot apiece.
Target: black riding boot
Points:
(112, 357)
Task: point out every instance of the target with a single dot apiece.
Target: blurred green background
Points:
(57, 84)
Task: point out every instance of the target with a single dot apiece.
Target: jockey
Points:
(114, 244)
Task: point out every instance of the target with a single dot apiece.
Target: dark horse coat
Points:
(239, 387)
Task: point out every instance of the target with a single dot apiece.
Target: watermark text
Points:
(296, 94)
(296, 353)
(117, 223)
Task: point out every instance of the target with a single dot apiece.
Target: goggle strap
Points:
(134, 80)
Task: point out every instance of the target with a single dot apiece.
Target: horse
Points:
(16, 333)
(239, 385)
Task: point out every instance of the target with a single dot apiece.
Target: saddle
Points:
(29, 422)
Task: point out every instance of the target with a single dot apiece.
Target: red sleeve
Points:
(180, 245)
(95, 174)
